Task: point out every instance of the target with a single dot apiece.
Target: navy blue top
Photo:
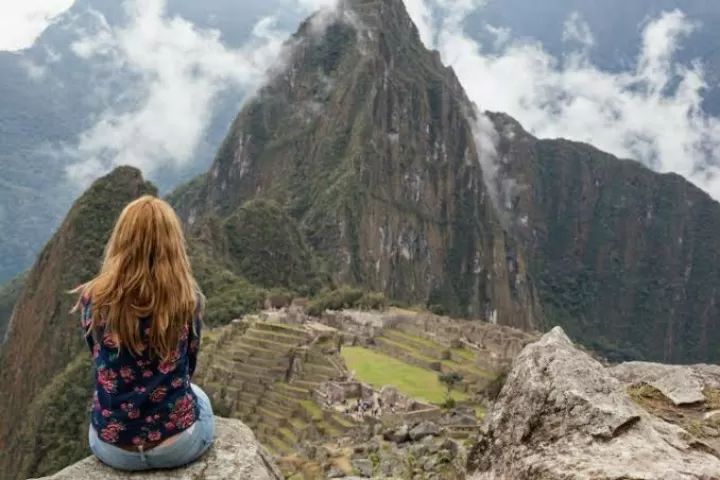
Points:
(139, 398)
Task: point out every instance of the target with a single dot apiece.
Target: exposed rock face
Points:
(42, 338)
(375, 139)
(562, 415)
(236, 454)
(624, 259)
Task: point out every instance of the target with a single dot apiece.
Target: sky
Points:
(182, 70)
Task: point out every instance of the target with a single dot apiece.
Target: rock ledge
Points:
(236, 453)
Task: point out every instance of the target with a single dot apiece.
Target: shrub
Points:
(278, 298)
(345, 298)
(56, 432)
(372, 301)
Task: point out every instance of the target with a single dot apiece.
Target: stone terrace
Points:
(432, 355)
(265, 373)
(477, 350)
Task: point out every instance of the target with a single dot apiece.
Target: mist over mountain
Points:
(85, 94)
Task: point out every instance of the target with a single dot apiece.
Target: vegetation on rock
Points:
(229, 295)
(625, 259)
(9, 295)
(266, 245)
(346, 298)
(55, 433)
(380, 172)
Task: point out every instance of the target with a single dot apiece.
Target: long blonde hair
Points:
(146, 272)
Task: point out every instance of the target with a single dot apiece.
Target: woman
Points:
(142, 321)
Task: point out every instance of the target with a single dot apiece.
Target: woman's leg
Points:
(114, 456)
(206, 420)
(192, 443)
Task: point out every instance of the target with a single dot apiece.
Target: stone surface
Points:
(681, 384)
(424, 429)
(363, 466)
(562, 415)
(236, 454)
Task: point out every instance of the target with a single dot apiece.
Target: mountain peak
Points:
(375, 140)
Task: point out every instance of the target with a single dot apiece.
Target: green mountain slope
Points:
(627, 260)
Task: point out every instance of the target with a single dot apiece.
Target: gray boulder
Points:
(562, 415)
(681, 384)
(422, 430)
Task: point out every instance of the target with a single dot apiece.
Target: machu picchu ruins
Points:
(302, 383)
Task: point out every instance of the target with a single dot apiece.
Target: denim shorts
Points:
(186, 447)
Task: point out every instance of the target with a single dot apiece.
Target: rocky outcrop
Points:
(419, 451)
(563, 415)
(236, 454)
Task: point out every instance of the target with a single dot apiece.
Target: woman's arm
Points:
(85, 321)
(194, 339)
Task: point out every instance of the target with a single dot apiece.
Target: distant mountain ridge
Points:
(626, 259)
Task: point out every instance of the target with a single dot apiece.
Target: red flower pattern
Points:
(127, 374)
(107, 378)
(139, 398)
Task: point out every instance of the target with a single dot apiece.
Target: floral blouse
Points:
(139, 398)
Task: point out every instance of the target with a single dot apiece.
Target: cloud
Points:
(651, 113)
(576, 29)
(22, 22)
(176, 73)
(173, 75)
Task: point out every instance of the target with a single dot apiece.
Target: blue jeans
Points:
(184, 449)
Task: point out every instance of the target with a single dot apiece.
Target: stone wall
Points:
(338, 392)
(431, 414)
(405, 408)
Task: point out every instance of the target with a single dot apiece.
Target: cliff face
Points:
(367, 141)
(624, 258)
(42, 337)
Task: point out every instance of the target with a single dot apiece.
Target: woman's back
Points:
(141, 399)
(142, 319)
